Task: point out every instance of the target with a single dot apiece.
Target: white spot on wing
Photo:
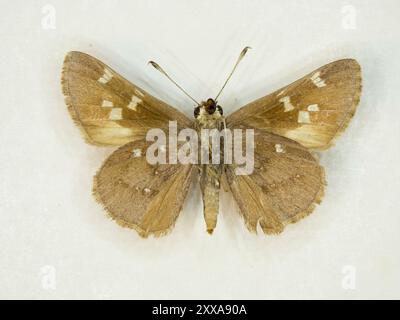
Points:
(139, 93)
(103, 80)
(107, 104)
(108, 73)
(286, 103)
(317, 80)
(137, 153)
(306, 134)
(304, 117)
(313, 108)
(146, 190)
(134, 102)
(115, 114)
(279, 148)
(105, 77)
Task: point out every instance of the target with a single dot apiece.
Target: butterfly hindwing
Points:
(107, 108)
(312, 111)
(284, 187)
(138, 195)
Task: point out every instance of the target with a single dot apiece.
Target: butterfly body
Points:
(209, 116)
(286, 183)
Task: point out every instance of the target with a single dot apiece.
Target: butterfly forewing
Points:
(284, 187)
(312, 111)
(136, 194)
(107, 108)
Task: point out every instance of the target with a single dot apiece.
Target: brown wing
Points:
(312, 110)
(284, 187)
(147, 198)
(107, 108)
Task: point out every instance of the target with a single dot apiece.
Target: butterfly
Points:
(286, 183)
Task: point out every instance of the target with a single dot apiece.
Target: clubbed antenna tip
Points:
(156, 66)
(242, 54)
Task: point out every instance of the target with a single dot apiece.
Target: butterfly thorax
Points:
(209, 115)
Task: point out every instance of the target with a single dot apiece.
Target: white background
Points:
(55, 240)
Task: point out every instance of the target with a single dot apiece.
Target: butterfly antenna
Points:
(155, 65)
(242, 54)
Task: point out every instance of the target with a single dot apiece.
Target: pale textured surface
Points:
(48, 215)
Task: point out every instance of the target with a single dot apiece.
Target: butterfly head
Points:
(208, 108)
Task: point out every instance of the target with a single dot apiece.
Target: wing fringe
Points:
(142, 232)
(70, 106)
(352, 110)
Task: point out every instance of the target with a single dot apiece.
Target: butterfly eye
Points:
(219, 109)
(196, 111)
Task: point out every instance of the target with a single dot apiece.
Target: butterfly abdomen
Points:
(210, 174)
(210, 183)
